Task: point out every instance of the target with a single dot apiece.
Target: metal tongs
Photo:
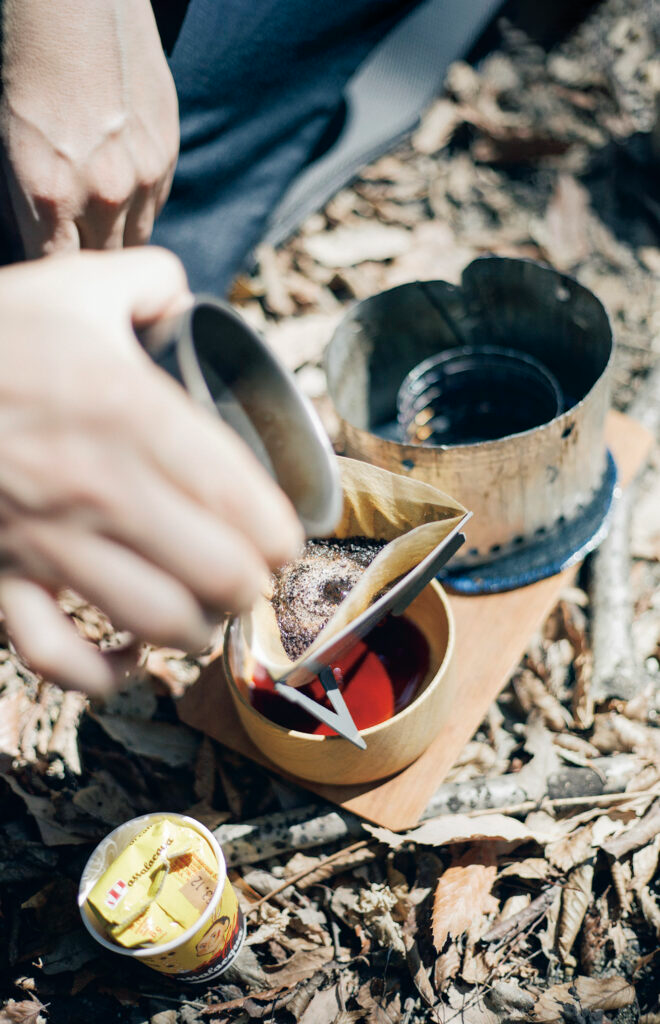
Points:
(394, 601)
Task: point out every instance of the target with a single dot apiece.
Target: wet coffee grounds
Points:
(307, 592)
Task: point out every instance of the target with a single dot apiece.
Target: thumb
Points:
(147, 283)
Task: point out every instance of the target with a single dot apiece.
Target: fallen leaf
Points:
(569, 851)
(42, 810)
(475, 969)
(437, 127)
(513, 906)
(548, 935)
(575, 900)
(458, 828)
(13, 708)
(465, 1008)
(533, 695)
(105, 800)
(418, 972)
(446, 967)
(531, 868)
(64, 738)
(299, 967)
(533, 777)
(174, 745)
(374, 910)
(434, 254)
(70, 952)
(590, 994)
(640, 834)
(322, 1007)
(509, 1001)
(272, 269)
(650, 908)
(563, 232)
(302, 339)
(176, 670)
(378, 1009)
(462, 899)
(347, 246)
(645, 863)
(25, 1011)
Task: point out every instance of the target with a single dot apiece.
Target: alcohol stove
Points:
(541, 497)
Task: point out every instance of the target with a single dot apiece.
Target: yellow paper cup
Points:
(202, 952)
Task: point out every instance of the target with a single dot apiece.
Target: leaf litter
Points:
(542, 909)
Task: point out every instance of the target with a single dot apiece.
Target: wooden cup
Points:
(391, 745)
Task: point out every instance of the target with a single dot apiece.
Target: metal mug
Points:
(226, 367)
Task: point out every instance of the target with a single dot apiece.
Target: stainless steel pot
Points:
(522, 486)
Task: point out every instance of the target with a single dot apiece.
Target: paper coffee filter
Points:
(412, 516)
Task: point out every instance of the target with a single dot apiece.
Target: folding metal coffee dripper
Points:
(394, 601)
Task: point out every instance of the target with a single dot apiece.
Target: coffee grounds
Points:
(307, 592)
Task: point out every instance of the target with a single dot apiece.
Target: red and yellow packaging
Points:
(156, 889)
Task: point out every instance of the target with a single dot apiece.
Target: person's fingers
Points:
(136, 595)
(43, 239)
(43, 214)
(102, 226)
(146, 283)
(205, 458)
(49, 642)
(215, 561)
(164, 189)
(140, 218)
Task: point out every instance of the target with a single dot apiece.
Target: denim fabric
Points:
(259, 84)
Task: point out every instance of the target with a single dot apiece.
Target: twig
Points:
(298, 828)
(615, 671)
(602, 799)
(308, 871)
(317, 824)
(504, 931)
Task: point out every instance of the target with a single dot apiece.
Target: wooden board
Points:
(492, 634)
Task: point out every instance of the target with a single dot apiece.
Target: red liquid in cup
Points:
(378, 677)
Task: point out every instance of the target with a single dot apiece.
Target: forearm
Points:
(53, 42)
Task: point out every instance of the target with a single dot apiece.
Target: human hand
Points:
(112, 482)
(88, 122)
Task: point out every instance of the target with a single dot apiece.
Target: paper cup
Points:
(202, 952)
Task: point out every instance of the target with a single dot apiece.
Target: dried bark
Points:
(303, 828)
(615, 672)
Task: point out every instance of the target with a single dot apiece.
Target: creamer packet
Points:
(157, 887)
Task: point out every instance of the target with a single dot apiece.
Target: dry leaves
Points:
(457, 828)
(345, 247)
(575, 900)
(25, 1011)
(563, 234)
(463, 899)
(583, 994)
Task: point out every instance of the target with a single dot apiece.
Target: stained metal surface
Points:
(566, 545)
(226, 366)
(520, 487)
